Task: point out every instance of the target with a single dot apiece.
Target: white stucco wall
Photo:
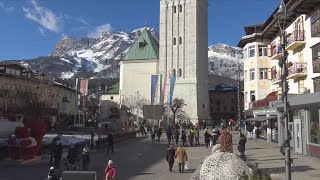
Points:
(135, 78)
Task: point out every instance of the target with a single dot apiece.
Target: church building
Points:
(177, 66)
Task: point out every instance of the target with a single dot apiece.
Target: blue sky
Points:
(31, 28)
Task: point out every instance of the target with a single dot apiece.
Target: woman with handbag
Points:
(110, 171)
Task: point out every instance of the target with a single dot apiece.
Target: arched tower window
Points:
(174, 9)
(180, 8)
(180, 72)
(180, 40)
(174, 40)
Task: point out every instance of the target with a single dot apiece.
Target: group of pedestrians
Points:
(211, 139)
(179, 154)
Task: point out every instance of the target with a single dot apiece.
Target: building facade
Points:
(184, 52)
(302, 46)
(223, 102)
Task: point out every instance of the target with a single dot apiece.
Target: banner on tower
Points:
(172, 84)
(154, 83)
(164, 88)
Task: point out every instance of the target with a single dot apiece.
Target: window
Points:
(142, 44)
(232, 100)
(252, 96)
(180, 72)
(17, 72)
(218, 109)
(316, 59)
(225, 108)
(245, 53)
(174, 41)
(263, 73)
(180, 40)
(314, 126)
(252, 73)
(111, 97)
(64, 99)
(263, 50)
(7, 71)
(174, 72)
(174, 9)
(252, 51)
(218, 103)
(180, 8)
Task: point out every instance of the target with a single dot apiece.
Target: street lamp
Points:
(281, 15)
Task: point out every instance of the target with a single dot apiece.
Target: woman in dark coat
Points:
(242, 146)
(207, 137)
(184, 138)
(176, 136)
(170, 157)
(85, 159)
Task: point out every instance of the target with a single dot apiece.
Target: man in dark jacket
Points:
(170, 157)
(57, 155)
(169, 134)
(110, 143)
(242, 146)
(85, 159)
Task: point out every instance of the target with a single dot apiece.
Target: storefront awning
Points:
(259, 119)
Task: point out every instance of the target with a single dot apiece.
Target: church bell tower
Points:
(184, 53)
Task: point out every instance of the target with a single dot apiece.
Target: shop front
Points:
(304, 123)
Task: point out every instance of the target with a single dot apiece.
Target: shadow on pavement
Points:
(131, 158)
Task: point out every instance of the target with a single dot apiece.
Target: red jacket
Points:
(110, 172)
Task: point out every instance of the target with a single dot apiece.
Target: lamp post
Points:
(281, 15)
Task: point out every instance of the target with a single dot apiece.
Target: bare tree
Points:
(176, 106)
(132, 105)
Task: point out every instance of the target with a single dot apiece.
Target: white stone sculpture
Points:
(223, 165)
(215, 148)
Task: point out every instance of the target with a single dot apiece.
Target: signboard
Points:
(153, 112)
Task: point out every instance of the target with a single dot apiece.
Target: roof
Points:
(144, 48)
(6, 64)
(222, 87)
(113, 89)
(250, 29)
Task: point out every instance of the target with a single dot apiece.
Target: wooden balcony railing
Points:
(297, 68)
(295, 40)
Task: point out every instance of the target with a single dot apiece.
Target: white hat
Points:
(52, 168)
(110, 162)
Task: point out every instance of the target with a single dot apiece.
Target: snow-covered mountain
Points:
(225, 61)
(99, 57)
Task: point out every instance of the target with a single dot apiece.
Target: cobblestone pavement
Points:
(269, 159)
(135, 159)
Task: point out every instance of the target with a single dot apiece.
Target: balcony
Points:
(297, 70)
(315, 24)
(276, 52)
(276, 78)
(295, 40)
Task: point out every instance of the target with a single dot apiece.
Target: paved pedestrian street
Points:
(135, 159)
(270, 160)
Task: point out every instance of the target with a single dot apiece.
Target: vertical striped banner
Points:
(154, 83)
(172, 84)
(164, 88)
(160, 99)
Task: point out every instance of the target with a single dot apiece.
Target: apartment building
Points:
(263, 88)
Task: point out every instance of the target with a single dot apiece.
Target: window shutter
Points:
(269, 51)
(269, 74)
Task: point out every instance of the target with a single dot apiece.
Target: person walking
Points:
(242, 146)
(190, 138)
(159, 133)
(169, 134)
(181, 157)
(110, 171)
(57, 155)
(51, 174)
(197, 135)
(52, 147)
(85, 159)
(170, 157)
(153, 135)
(110, 143)
(207, 137)
(176, 136)
(249, 128)
(184, 138)
(92, 138)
